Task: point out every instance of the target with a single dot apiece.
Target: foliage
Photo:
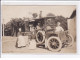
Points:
(15, 23)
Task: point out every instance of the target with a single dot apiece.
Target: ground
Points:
(8, 46)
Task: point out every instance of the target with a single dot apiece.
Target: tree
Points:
(13, 25)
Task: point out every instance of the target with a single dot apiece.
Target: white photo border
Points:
(77, 3)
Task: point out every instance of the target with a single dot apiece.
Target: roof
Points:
(73, 14)
(50, 15)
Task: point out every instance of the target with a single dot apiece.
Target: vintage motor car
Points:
(48, 37)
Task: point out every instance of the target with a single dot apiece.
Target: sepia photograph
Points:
(39, 29)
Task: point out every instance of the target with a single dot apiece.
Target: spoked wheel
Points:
(69, 40)
(40, 37)
(54, 44)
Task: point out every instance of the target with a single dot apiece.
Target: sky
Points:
(12, 11)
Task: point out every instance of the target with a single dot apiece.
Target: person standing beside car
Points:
(58, 28)
(60, 31)
(38, 27)
(21, 42)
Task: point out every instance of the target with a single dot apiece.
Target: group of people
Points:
(21, 42)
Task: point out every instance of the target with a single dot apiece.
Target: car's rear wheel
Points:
(69, 40)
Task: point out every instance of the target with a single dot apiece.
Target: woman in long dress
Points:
(32, 42)
(20, 40)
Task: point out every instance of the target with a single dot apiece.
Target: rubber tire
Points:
(72, 40)
(43, 33)
(60, 44)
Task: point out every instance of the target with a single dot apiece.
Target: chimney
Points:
(40, 15)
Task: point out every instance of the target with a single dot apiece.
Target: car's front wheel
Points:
(54, 44)
(40, 37)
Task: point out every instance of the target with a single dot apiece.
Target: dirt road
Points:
(8, 46)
